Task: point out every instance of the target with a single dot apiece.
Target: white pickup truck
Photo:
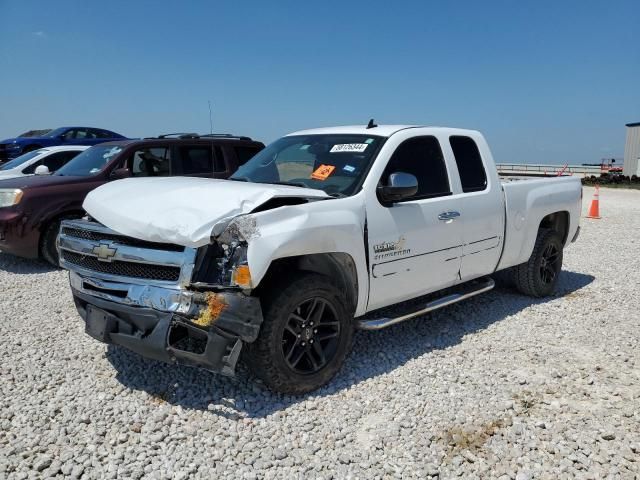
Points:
(323, 232)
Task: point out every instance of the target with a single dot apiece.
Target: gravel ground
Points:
(498, 387)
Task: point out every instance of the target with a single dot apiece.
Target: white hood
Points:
(180, 210)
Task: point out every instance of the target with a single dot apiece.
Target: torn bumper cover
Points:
(204, 330)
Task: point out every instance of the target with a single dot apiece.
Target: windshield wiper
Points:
(292, 184)
(239, 179)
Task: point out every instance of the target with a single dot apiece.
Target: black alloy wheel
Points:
(549, 267)
(306, 334)
(538, 276)
(310, 337)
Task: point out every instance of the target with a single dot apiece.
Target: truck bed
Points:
(527, 202)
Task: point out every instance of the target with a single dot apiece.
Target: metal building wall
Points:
(632, 150)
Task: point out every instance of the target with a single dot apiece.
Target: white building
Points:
(632, 150)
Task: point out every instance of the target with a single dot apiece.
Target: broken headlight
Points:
(224, 265)
(234, 265)
(224, 261)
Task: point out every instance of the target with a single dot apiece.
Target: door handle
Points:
(448, 215)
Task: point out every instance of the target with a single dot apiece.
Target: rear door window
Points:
(150, 162)
(421, 157)
(97, 133)
(196, 159)
(469, 161)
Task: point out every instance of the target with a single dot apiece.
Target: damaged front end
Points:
(201, 316)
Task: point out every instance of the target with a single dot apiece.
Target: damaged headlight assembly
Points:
(223, 263)
(233, 265)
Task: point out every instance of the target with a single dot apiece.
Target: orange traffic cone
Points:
(594, 209)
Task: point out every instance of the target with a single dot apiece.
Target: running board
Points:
(472, 290)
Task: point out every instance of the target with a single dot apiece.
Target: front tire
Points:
(305, 337)
(538, 276)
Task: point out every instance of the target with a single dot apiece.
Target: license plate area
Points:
(99, 324)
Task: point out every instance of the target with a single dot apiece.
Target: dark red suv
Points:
(31, 208)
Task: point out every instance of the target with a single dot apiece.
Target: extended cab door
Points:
(480, 200)
(414, 245)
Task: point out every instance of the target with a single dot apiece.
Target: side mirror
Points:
(42, 170)
(120, 173)
(400, 186)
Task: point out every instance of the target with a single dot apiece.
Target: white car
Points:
(320, 233)
(40, 162)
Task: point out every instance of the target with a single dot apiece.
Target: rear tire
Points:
(305, 337)
(48, 249)
(538, 276)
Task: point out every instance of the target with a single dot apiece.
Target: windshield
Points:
(333, 163)
(55, 133)
(90, 162)
(16, 162)
(35, 133)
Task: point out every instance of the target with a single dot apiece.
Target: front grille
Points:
(133, 242)
(123, 269)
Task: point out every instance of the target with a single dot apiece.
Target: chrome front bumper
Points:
(200, 329)
(164, 299)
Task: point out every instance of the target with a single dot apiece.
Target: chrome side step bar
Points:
(379, 323)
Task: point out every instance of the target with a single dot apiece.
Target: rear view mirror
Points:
(42, 170)
(120, 173)
(399, 186)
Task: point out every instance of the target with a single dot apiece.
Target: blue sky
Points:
(546, 81)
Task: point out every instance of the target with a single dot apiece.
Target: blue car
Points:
(12, 147)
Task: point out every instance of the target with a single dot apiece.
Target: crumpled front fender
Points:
(330, 226)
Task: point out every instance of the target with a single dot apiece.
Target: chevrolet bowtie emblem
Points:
(104, 252)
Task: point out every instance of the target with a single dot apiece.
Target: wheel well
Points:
(45, 225)
(558, 221)
(60, 216)
(340, 267)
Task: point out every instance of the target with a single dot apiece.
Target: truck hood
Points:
(179, 210)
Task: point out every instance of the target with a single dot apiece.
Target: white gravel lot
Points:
(501, 386)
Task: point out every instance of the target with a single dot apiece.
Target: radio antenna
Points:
(210, 120)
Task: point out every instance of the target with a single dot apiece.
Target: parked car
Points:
(42, 161)
(31, 208)
(318, 235)
(13, 147)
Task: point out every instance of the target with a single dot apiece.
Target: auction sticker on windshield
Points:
(349, 147)
(323, 172)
